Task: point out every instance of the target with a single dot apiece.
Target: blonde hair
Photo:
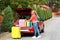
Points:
(35, 13)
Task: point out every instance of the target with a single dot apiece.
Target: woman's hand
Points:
(27, 20)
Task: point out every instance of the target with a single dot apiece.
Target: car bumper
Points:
(29, 30)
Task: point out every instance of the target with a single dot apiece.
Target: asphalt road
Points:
(52, 32)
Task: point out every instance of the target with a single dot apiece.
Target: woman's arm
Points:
(31, 18)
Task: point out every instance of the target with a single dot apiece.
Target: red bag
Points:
(40, 25)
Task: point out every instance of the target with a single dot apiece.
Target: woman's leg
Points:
(36, 28)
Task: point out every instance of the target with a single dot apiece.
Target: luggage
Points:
(16, 32)
(40, 25)
(28, 24)
(22, 23)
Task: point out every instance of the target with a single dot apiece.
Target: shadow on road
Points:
(27, 35)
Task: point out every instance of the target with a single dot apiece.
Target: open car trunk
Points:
(23, 11)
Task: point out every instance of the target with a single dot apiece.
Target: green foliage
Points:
(0, 27)
(32, 7)
(8, 19)
(40, 13)
(13, 6)
(4, 4)
(44, 14)
(56, 3)
(15, 15)
(25, 3)
(43, 2)
(19, 6)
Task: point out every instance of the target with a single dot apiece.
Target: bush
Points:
(8, 19)
(44, 14)
(13, 6)
(19, 6)
(15, 16)
(31, 6)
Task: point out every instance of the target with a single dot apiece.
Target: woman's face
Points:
(32, 12)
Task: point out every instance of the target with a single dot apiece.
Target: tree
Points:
(55, 3)
(25, 3)
(14, 3)
(41, 2)
(8, 19)
(4, 4)
(19, 6)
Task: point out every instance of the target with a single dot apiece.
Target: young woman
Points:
(34, 20)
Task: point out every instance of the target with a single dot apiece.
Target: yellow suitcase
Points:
(16, 32)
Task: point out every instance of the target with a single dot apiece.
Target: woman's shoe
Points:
(34, 37)
(39, 36)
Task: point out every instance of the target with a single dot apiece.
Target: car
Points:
(23, 13)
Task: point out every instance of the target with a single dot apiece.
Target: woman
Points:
(33, 19)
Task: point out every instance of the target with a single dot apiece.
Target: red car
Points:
(23, 13)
